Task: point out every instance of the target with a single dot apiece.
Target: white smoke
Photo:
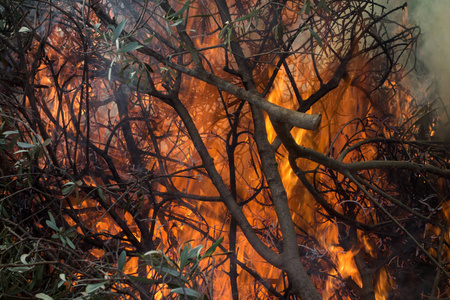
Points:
(433, 17)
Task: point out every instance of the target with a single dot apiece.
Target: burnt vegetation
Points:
(277, 134)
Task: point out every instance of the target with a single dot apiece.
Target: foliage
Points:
(48, 268)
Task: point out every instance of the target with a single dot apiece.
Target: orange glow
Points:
(207, 110)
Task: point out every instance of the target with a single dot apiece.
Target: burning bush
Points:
(131, 130)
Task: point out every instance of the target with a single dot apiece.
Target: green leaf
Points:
(101, 195)
(46, 142)
(24, 29)
(249, 16)
(177, 23)
(147, 41)
(141, 279)
(212, 249)
(52, 219)
(96, 26)
(20, 269)
(70, 243)
(149, 69)
(306, 7)
(90, 288)
(201, 16)
(39, 274)
(62, 276)
(118, 30)
(169, 31)
(323, 5)
(23, 258)
(184, 257)
(316, 37)
(52, 222)
(130, 47)
(60, 283)
(122, 259)
(278, 31)
(21, 151)
(43, 296)
(187, 292)
(169, 271)
(9, 132)
(67, 189)
(174, 16)
(25, 145)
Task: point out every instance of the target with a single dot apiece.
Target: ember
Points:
(219, 150)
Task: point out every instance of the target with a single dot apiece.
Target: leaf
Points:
(9, 132)
(96, 26)
(39, 274)
(43, 296)
(130, 47)
(201, 16)
(188, 254)
(23, 258)
(24, 29)
(187, 292)
(25, 145)
(278, 31)
(149, 69)
(118, 30)
(20, 269)
(169, 31)
(67, 188)
(90, 288)
(147, 41)
(46, 142)
(249, 16)
(306, 7)
(195, 252)
(153, 253)
(316, 37)
(212, 249)
(323, 5)
(141, 279)
(184, 257)
(21, 151)
(101, 195)
(177, 23)
(122, 259)
(169, 271)
(110, 68)
(52, 223)
(175, 15)
(60, 283)
(70, 243)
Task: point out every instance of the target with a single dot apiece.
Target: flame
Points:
(204, 102)
(208, 117)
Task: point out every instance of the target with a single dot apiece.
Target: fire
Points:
(304, 211)
(140, 185)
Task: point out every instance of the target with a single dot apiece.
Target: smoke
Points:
(433, 17)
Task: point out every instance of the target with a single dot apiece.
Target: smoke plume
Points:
(433, 17)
